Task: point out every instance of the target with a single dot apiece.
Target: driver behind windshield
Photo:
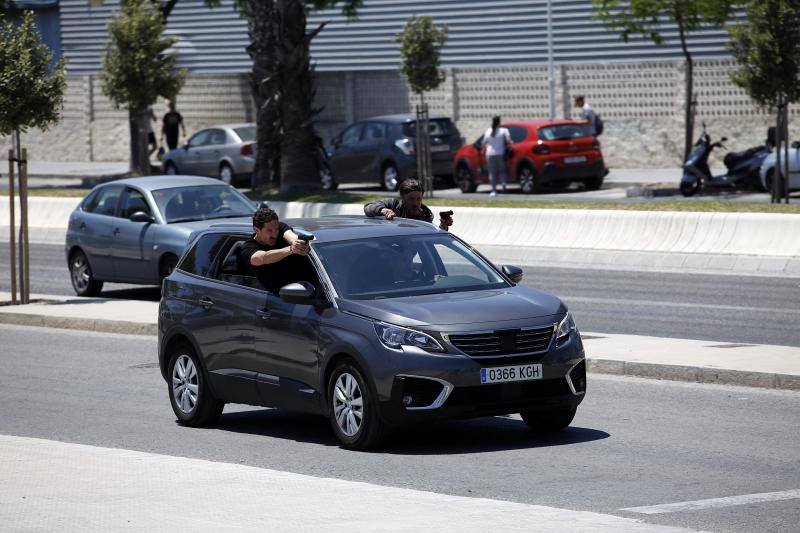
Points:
(269, 251)
(409, 205)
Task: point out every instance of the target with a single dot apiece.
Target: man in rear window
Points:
(409, 205)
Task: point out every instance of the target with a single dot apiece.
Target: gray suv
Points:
(385, 323)
(383, 150)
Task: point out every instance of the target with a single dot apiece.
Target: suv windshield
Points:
(393, 267)
(564, 132)
(202, 202)
(439, 127)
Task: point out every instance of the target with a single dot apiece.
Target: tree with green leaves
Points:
(646, 18)
(31, 85)
(137, 70)
(421, 43)
(767, 47)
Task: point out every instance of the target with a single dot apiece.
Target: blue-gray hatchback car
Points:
(383, 324)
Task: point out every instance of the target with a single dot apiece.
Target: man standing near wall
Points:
(170, 123)
(587, 113)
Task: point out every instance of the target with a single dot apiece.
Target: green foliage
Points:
(646, 17)
(31, 88)
(420, 44)
(767, 48)
(136, 68)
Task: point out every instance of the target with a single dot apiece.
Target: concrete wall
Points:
(642, 105)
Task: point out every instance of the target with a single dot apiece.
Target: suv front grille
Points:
(503, 342)
(508, 393)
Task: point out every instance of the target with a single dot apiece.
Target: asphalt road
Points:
(633, 443)
(743, 309)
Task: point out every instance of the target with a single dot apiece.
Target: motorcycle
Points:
(742, 167)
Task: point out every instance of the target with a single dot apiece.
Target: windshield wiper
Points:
(184, 219)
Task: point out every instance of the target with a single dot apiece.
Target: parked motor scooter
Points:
(742, 167)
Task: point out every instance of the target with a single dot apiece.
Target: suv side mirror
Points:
(301, 292)
(513, 273)
(141, 216)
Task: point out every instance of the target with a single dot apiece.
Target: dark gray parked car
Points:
(385, 323)
(134, 230)
(382, 150)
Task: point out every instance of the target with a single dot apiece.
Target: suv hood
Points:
(479, 307)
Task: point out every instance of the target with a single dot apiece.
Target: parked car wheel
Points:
(167, 265)
(226, 174)
(170, 168)
(326, 178)
(527, 178)
(594, 184)
(189, 394)
(80, 272)
(390, 177)
(352, 409)
(464, 179)
(768, 181)
(548, 421)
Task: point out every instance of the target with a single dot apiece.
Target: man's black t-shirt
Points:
(171, 123)
(274, 276)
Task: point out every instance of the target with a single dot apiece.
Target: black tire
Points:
(80, 273)
(769, 177)
(226, 174)
(390, 179)
(548, 421)
(170, 168)
(189, 394)
(166, 265)
(526, 175)
(464, 179)
(594, 184)
(689, 189)
(366, 433)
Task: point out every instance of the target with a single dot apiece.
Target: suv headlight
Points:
(565, 327)
(395, 337)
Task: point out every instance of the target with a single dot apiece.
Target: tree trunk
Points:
(139, 158)
(689, 114)
(262, 28)
(300, 165)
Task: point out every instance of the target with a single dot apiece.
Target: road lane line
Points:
(686, 305)
(712, 503)
(54, 486)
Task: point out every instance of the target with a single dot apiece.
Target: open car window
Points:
(392, 267)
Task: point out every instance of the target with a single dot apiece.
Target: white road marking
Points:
(711, 503)
(55, 486)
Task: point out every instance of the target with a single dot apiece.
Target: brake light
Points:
(541, 149)
(246, 149)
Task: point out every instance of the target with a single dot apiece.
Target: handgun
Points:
(304, 235)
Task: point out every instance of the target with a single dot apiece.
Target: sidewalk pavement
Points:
(700, 361)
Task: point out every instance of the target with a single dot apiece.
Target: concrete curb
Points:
(598, 366)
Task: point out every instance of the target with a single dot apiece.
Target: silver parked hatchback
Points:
(226, 152)
(385, 323)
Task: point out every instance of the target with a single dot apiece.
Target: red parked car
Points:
(553, 152)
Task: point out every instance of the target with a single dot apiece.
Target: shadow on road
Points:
(489, 434)
(152, 294)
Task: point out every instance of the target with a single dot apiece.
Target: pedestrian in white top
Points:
(495, 143)
(587, 114)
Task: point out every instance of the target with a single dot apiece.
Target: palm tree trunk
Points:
(300, 143)
(262, 29)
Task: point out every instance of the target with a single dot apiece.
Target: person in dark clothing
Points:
(170, 125)
(271, 252)
(409, 205)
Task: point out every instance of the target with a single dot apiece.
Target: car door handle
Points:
(206, 302)
(83, 225)
(263, 313)
(116, 231)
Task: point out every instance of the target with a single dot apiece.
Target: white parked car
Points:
(768, 168)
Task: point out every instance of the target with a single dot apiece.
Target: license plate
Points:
(440, 148)
(575, 159)
(503, 374)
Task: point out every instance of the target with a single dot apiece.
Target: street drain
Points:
(146, 365)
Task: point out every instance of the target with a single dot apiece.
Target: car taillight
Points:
(595, 145)
(247, 149)
(541, 149)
